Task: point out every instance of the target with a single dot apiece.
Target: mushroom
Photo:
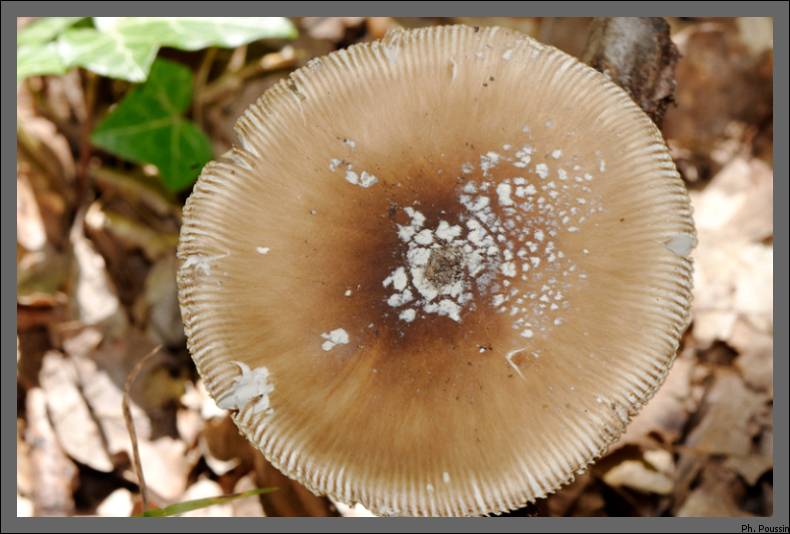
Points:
(440, 272)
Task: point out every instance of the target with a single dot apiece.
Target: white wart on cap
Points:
(440, 272)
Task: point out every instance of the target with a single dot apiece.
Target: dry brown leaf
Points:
(105, 398)
(733, 275)
(119, 503)
(49, 149)
(30, 231)
(24, 469)
(94, 298)
(189, 425)
(716, 496)
(726, 416)
(635, 475)
(718, 83)
(757, 463)
(756, 358)
(165, 467)
(737, 203)
(75, 427)
(53, 473)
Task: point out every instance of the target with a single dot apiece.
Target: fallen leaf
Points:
(119, 503)
(727, 411)
(165, 467)
(105, 398)
(94, 297)
(716, 496)
(30, 231)
(759, 461)
(718, 83)
(636, 475)
(733, 275)
(53, 473)
(74, 425)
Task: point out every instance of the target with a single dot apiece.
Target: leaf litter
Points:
(96, 294)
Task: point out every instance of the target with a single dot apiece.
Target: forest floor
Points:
(96, 295)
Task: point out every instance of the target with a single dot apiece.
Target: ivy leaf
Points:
(194, 33)
(188, 506)
(45, 29)
(148, 126)
(111, 54)
(38, 59)
(36, 54)
(125, 47)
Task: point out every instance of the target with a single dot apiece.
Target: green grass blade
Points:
(188, 506)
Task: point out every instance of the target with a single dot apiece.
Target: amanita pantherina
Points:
(440, 272)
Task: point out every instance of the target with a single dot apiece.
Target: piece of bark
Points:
(638, 55)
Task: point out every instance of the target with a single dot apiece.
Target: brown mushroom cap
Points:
(440, 273)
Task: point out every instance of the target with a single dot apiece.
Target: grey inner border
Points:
(11, 10)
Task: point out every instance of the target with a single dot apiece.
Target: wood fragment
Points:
(638, 55)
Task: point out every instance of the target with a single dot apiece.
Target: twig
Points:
(201, 76)
(232, 79)
(85, 142)
(127, 416)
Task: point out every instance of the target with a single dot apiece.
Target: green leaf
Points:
(148, 126)
(44, 29)
(188, 506)
(194, 33)
(125, 47)
(38, 59)
(110, 53)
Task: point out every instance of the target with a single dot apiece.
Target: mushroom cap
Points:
(440, 272)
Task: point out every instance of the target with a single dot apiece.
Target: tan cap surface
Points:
(440, 273)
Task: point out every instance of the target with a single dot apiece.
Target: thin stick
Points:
(201, 77)
(127, 416)
(85, 148)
